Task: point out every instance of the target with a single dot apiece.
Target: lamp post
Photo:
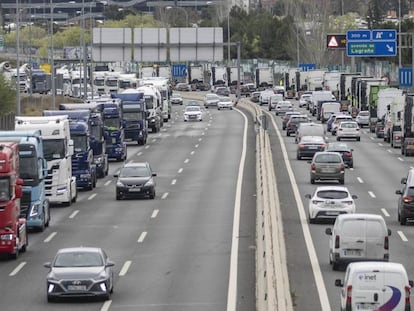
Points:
(399, 33)
(179, 8)
(17, 57)
(228, 34)
(52, 60)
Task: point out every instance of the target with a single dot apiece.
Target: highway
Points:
(172, 253)
(376, 175)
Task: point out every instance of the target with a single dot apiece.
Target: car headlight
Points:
(34, 211)
(149, 182)
(85, 176)
(119, 184)
(119, 149)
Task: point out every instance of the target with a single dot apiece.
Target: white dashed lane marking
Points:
(174, 181)
(92, 196)
(74, 214)
(107, 182)
(125, 268)
(164, 196)
(402, 236)
(401, 159)
(50, 237)
(372, 194)
(155, 213)
(186, 160)
(360, 180)
(180, 170)
(142, 237)
(384, 211)
(18, 268)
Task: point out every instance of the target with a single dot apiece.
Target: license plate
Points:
(352, 252)
(193, 117)
(312, 147)
(328, 170)
(76, 287)
(332, 213)
(366, 306)
(135, 190)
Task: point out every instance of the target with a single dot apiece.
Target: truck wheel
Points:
(335, 266)
(24, 247)
(43, 225)
(75, 198)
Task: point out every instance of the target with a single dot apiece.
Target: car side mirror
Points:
(404, 180)
(110, 264)
(308, 196)
(411, 283)
(328, 231)
(154, 174)
(47, 265)
(354, 196)
(339, 283)
(398, 192)
(116, 175)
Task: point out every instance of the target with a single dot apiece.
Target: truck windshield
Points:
(124, 84)
(112, 124)
(149, 101)
(96, 132)
(133, 116)
(80, 143)
(29, 170)
(111, 82)
(54, 149)
(99, 82)
(4, 189)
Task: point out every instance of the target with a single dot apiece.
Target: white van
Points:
(358, 237)
(329, 108)
(375, 286)
(273, 100)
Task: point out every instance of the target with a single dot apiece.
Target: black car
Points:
(294, 120)
(344, 150)
(309, 145)
(135, 180)
(406, 198)
(79, 272)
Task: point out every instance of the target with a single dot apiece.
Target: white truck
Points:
(60, 185)
(384, 100)
(153, 101)
(331, 82)
(393, 120)
(162, 84)
(111, 82)
(313, 79)
(264, 78)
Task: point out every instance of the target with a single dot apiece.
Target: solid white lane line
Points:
(74, 214)
(186, 160)
(18, 268)
(192, 152)
(360, 180)
(196, 146)
(125, 268)
(174, 181)
(164, 196)
(50, 237)
(142, 237)
(401, 159)
(155, 213)
(139, 153)
(380, 144)
(92, 196)
(180, 170)
(384, 211)
(402, 236)
(107, 182)
(371, 194)
(106, 305)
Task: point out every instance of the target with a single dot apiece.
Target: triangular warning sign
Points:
(333, 43)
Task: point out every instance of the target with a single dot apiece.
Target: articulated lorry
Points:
(153, 104)
(60, 185)
(134, 115)
(83, 166)
(393, 120)
(34, 204)
(407, 126)
(264, 78)
(13, 230)
(97, 135)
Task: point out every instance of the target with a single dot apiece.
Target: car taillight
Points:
(336, 241)
(340, 129)
(407, 295)
(316, 201)
(349, 294)
(342, 167)
(397, 137)
(323, 146)
(348, 154)
(407, 199)
(348, 202)
(386, 243)
(301, 146)
(288, 124)
(313, 166)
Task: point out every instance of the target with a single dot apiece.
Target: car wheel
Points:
(335, 266)
(351, 165)
(342, 181)
(338, 138)
(312, 220)
(403, 221)
(118, 197)
(152, 195)
(312, 180)
(298, 157)
(51, 299)
(358, 138)
(218, 108)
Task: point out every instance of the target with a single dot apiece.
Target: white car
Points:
(338, 119)
(362, 118)
(225, 102)
(282, 107)
(304, 98)
(348, 129)
(327, 202)
(193, 113)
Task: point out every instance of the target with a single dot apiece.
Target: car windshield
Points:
(211, 96)
(364, 113)
(348, 125)
(78, 259)
(337, 147)
(328, 158)
(332, 194)
(192, 109)
(137, 171)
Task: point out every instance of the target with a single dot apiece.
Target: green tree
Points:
(7, 96)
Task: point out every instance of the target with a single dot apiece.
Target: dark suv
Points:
(406, 199)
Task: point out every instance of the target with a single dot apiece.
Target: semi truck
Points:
(162, 85)
(34, 204)
(393, 116)
(39, 81)
(60, 185)
(380, 97)
(219, 76)
(153, 104)
(83, 166)
(345, 85)
(407, 126)
(264, 78)
(97, 135)
(134, 115)
(13, 230)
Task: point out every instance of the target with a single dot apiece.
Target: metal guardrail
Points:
(272, 281)
(7, 122)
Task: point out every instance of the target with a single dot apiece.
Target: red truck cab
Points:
(13, 234)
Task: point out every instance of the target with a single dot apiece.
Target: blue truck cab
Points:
(34, 205)
(134, 115)
(83, 166)
(97, 133)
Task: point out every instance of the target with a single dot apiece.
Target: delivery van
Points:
(329, 108)
(375, 286)
(358, 237)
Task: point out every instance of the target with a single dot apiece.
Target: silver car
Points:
(79, 272)
(327, 166)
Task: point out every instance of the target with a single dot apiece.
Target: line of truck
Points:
(46, 159)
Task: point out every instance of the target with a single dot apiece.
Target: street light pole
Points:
(399, 33)
(228, 35)
(17, 57)
(52, 60)
(85, 85)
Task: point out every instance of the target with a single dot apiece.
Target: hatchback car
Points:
(79, 272)
(193, 113)
(304, 100)
(406, 198)
(183, 87)
(344, 150)
(309, 145)
(348, 129)
(135, 180)
(294, 121)
(225, 102)
(282, 107)
(338, 120)
(327, 202)
(286, 117)
(327, 166)
(211, 100)
(176, 99)
(362, 118)
(255, 96)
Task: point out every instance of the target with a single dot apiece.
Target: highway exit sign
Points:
(371, 43)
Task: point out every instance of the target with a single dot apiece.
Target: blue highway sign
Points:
(179, 70)
(372, 48)
(358, 35)
(384, 35)
(306, 67)
(405, 77)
